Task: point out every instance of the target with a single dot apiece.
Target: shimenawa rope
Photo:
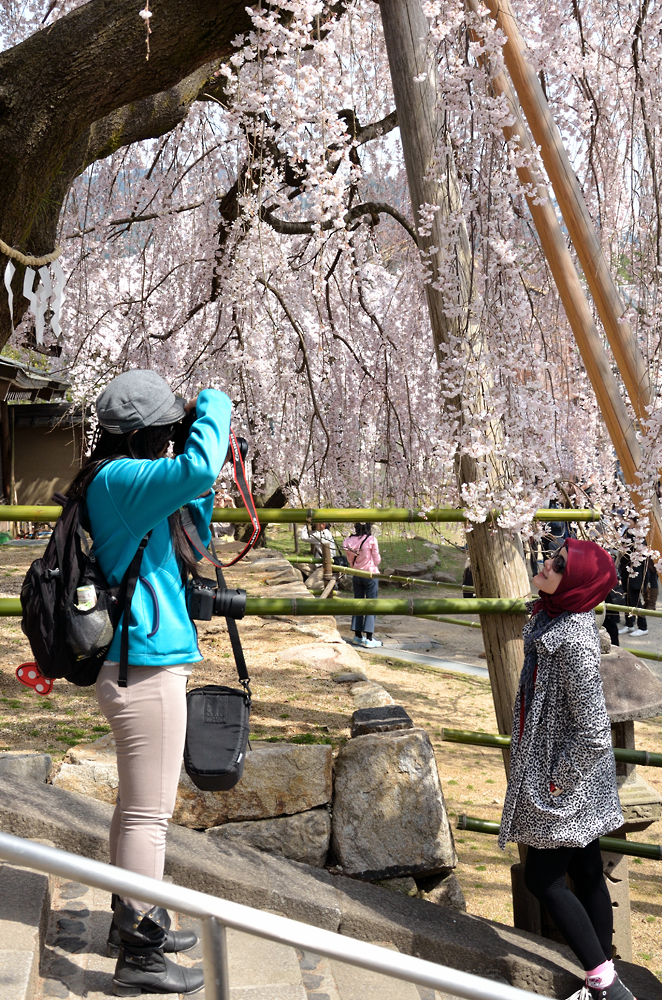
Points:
(29, 261)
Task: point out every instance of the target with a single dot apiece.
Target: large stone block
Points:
(90, 769)
(326, 656)
(303, 837)
(640, 802)
(386, 719)
(370, 694)
(279, 779)
(25, 766)
(444, 890)
(389, 815)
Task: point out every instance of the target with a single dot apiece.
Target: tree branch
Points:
(130, 219)
(365, 133)
(302, 343)
(306, 228)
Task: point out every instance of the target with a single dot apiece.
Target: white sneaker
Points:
(624, 628)
(639, 631)
(371, 643)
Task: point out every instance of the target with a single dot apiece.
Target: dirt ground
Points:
(291, 702)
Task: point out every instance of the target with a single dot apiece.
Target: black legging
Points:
(585, 917)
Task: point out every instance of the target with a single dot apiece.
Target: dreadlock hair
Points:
(145, 443)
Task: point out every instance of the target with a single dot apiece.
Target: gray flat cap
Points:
(138, 398)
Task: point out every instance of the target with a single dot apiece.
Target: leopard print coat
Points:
(567, 741)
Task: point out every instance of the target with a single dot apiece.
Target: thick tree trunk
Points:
(498, 567)
(82, 88)
(498, 571)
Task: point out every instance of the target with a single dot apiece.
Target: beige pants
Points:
(148, 720)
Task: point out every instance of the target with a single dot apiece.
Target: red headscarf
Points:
(588, 577)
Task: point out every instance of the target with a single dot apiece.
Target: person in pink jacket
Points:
(362, 552)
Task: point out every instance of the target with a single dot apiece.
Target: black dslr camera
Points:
(203, 601)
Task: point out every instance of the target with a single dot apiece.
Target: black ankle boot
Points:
(142, 967)
(176, 941)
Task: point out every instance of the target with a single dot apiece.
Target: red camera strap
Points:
(190, 529)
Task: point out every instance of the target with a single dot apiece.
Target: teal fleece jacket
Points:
(130, 497)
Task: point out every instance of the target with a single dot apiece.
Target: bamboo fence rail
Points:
(646, 758)
(301, 515)
(633, 848)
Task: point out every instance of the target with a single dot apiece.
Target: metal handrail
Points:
(217, 914)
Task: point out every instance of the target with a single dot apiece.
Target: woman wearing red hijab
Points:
(562, 792)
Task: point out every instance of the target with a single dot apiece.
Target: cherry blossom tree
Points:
(233, 211)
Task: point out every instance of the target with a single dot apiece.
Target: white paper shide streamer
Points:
(47, 295)
(9, 274)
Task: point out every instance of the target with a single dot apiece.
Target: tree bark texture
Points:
(81, 88)
(497, 564)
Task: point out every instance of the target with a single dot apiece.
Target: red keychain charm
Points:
(30, 675)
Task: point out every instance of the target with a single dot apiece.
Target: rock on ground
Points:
(91, 769)
(384, 719)
(407, 886)
(283, 779)
(25, 766)
(443, 889)
(417, 568)
(288, 574)
(389, 816)
(315, 580)
(349, 676)
(278, 780)
(304, 837)
(327, 656)
(369, 694)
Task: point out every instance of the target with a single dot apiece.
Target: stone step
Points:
(24, 910)
(74, 962)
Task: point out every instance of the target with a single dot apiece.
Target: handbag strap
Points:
(237, 650)
(235, 641)
(124, 598)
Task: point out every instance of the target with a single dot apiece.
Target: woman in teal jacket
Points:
(139, 490)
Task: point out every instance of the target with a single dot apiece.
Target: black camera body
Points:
(204, 601)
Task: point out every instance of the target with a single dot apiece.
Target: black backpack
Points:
(67, 642)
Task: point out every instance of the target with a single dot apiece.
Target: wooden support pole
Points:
(619, 425)
(327, 563)
(498, 567)
(629, 358)
(5, 452)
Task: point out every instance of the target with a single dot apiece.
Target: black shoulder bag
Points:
(218, 717)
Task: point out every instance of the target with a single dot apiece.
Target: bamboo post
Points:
(629, 359)
(498, 566)
(327, 563)
(295, 532)
(619, 425)
(631, 363)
